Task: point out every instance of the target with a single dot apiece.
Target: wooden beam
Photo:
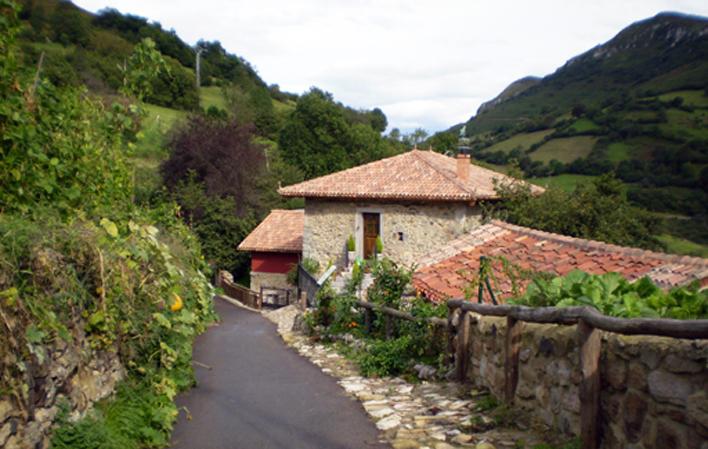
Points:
(511, 365)
(692, 329)
(590, 343)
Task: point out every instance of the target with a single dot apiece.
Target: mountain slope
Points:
(636, 105)
(667, 52)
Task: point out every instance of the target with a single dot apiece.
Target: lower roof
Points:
(280, 232)
(446, 273)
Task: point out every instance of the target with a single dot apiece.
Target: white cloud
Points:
(425, 63)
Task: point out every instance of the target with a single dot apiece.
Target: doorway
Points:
(372, 230)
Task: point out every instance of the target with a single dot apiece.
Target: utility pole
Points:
(199, 71)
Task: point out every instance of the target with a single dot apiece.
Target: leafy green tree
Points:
(315, 136)
(379, 122)
(322, 136)
(69, 24)
(598, 210)
(143, 66)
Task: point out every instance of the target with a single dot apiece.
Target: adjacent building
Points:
(275, 246)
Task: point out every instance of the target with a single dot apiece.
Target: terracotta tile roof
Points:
(280, 232)
(446, 272)
(414, 175)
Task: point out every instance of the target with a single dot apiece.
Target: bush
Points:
(613, 295)
(386, 357)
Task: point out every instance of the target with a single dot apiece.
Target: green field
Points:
(212, 96)
(695, 98)
(566, 182)
(690, 125)
(584, 125)
(161, 118)
(565, 149)
(522, 141)
(618, 152)
(677, 245)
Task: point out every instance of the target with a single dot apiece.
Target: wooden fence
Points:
(589, 324)
(245, 295)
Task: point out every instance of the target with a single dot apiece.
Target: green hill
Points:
(636, 105)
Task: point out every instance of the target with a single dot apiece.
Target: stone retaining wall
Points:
(77, 377)
(654, 389)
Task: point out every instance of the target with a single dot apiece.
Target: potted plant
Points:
(379, 247)
(351, 250)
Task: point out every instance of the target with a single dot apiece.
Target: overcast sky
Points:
(425, 63)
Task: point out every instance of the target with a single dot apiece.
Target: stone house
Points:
(275, 246)
(414, 203)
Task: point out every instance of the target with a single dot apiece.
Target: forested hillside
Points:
(636, 106)
(219, 150)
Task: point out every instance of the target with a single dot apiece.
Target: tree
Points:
(322, 136)
(315, 136)
(222, 156)
(598, 210)
(416, 137)
(379, 122)
(69, 24)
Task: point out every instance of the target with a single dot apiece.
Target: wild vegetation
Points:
(80, 262)
(409, 342)
(598, 210)
(613, 295)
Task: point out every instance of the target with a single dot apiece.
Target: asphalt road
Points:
(260, 394)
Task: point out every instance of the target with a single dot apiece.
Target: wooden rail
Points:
(239, 292)
(691, 329)
(389, 313)
(589, 324)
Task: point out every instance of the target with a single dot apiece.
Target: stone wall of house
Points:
(73, 376)
(654, 389)
(423, 228)
(276, 280)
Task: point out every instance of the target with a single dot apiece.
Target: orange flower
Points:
(178, 304)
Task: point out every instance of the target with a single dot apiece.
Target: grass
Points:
(161, 118)
(618, 152)
(678, 245)
(565, 182)
(690, 125)
(695, 98)
(522, 141)
(212, 96)
(584, 125)
(565, 149)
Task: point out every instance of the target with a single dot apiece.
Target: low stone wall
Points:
(654, 389)
(77, 377)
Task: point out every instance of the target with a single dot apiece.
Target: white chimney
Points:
(463, 167)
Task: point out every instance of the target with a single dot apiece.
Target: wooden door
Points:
(372, 224)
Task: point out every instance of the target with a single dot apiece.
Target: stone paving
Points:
(410, 416)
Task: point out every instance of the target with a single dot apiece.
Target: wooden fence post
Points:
(462, 356)
(511, 365)
(589, 343)
(368, 320)
(450, 335)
